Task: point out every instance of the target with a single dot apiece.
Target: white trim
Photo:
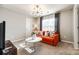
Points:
(16, 40)
(67, 41)
(75, 25)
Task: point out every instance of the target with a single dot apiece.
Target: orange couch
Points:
(53, 40)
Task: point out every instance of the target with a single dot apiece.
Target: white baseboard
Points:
(17, 40)
(67, 41)
(70, 42)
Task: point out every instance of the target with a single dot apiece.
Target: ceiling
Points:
(28, 8)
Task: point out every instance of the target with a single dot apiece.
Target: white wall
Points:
(29, 26)
(66, 25)
(15, 23)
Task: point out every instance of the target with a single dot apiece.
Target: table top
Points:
(36, 39)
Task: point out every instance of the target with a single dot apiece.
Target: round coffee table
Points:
(31, 42)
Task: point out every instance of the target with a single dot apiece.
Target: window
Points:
(48, 24)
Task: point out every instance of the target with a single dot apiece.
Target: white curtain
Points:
(48, 23)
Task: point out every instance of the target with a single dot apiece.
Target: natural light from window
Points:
(48, 24)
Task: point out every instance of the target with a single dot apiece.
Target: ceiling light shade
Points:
(37, 10)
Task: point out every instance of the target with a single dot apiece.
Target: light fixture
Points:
(40, 10)
(37, 10)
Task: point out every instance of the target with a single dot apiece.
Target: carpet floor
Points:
(61, 49)
(45, 49)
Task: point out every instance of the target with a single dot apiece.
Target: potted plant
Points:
(33, 35)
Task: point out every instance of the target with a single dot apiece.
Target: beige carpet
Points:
(61, 49)
(45, 49)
